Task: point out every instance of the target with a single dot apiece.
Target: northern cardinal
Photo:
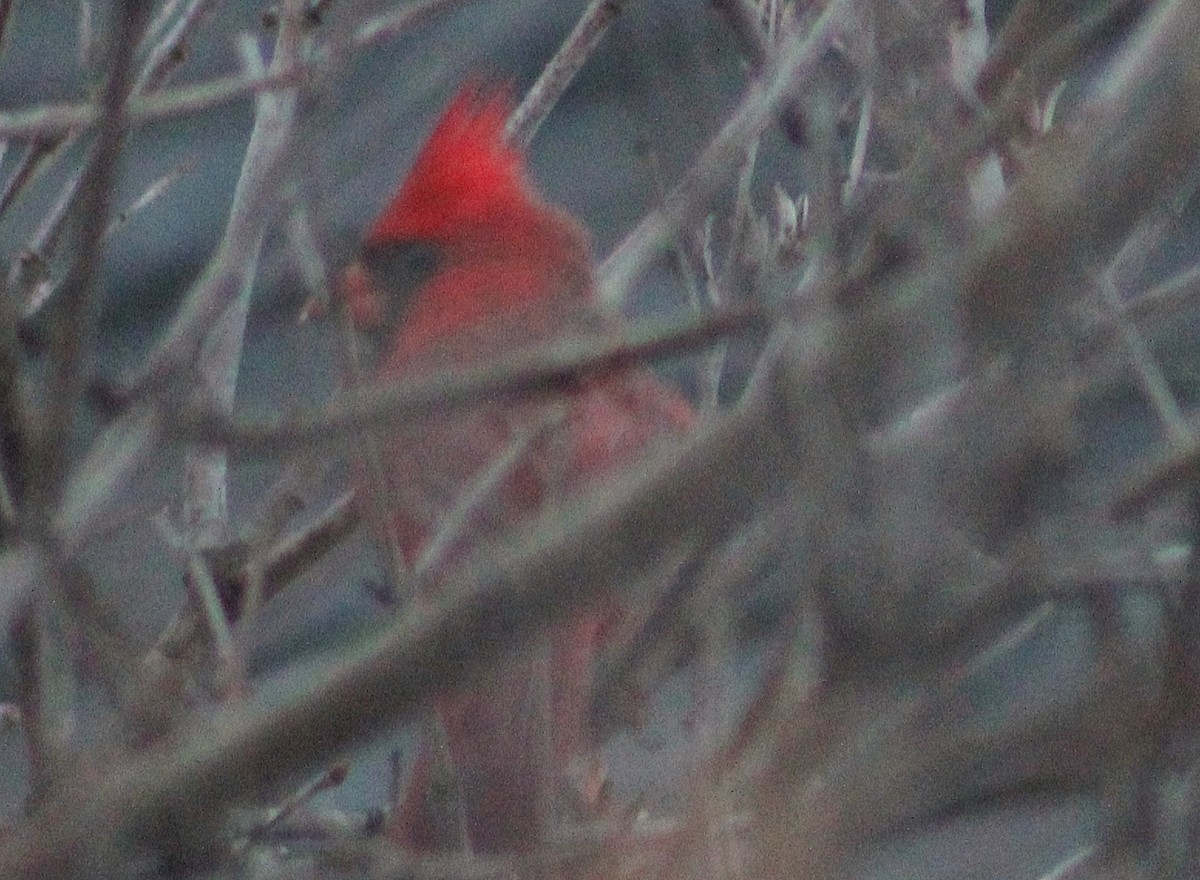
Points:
(465, 263)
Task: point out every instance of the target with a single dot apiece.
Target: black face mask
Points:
(397, 271)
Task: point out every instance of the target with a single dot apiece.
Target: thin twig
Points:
(483, 488)
(299, 799)
(562, 68)
(158, 25)
(52, 121)
(374, 497)
(703, 181)
(747, 23)
(73, 326)
(400, 22)
(165, 56)
(32, 160)
(1146, 369)
(294, 553)
(91, 489)
(547, 371)
(152, 193)
(207, 596)
(221, 351)
(710, 368)
(858, 155)
(170, 50)
(1172, 468)
(30, 269)
(88, 38)
(218, 287)
(6, 8)
(245, 750)
(308, 256)
(273, 568)
(1166, 297)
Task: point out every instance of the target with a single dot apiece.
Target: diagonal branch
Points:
(704, 180)
(244, 752)
(558, 73)
(73, 324)
(544, 371)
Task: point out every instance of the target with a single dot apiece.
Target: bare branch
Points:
(541, 372)
(558, 73)
(701, 183)
(221, 351)
(170, 48)
(73, 325)
(57, 120)
(245, 751)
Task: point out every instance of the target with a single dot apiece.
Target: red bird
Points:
(465, 263)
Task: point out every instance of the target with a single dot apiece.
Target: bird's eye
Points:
(400, 267)
(394, 272)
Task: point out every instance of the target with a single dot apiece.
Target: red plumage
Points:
(465, 175)
(497, 269)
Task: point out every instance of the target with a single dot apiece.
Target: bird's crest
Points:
(465, 173)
